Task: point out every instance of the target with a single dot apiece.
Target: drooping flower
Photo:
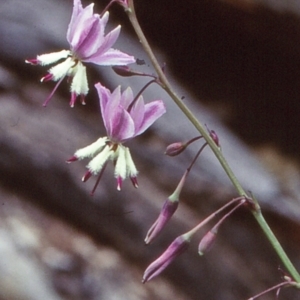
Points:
(88, 44)
(177, 247)
(167, 211)
(164, 216)
(124, 118)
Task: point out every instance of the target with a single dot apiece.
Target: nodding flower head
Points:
(176, 248)
(124, 118)
(88, 44)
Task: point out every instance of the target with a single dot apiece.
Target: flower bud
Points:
(166, 213)
(175, 149)
(125, 71)
(207, 241)
(177, 247)
(214, 136)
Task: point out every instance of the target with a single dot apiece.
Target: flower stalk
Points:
(276, 287)
(180, 244)
(209, 238)
(216, 150)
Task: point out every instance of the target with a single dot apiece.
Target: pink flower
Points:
(164, 216)
(167, 211)
(88, 44)
(124, 118)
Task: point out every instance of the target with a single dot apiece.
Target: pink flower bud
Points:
(214, 136)
(207, 241)
(166, 213)
(175, 149)
(124, 71)
(178, 246)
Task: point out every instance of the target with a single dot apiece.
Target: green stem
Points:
(201, 129)
(276, 245)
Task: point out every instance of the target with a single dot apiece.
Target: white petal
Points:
(61, 69)
(120, 169)
(92, 149)
(131, 169)
(79, 83)
(50, 58)
(96, 164)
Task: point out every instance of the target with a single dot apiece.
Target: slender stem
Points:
(276, 245)
(275, 287)
(168, 88)
(139, 94)
(211, 216)
(196, 157)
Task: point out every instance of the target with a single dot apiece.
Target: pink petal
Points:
(77, 8)
(121, 125)
(84, 23)
(104, 95)
(153, 111)
(137, 112)
(126, 98)
(106, 43)
(104, 20)
(89, 45)
(95, 39)
(111, 57)
(111, 109)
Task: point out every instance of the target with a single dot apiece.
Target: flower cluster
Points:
(124, 116)
(88, 44)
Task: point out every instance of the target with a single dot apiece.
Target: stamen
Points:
(82, 99)
(73, 158)
(33, 61)
(119, 183)
(134, 182)
(86, 176)
(98, 180)
(53, 91)
(47, 77)
(73, 99)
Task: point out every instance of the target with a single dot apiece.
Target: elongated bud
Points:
(207, 241)
(175, 149)
(177, 247)
(125, 71)
(167, 211)
(209, 238)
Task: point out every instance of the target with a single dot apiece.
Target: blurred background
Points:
(236, 64)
